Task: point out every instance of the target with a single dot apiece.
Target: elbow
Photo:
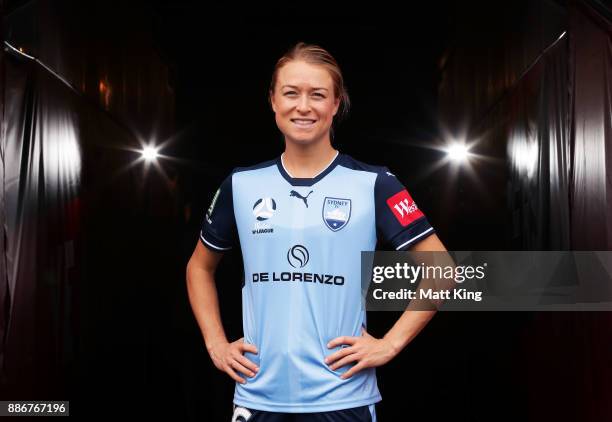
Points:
(194, 272)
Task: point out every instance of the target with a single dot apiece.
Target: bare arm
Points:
(412, 322)
(202, 292)
(368, 351)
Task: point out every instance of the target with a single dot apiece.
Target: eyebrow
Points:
(295, 87)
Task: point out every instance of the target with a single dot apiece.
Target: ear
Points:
(271, 99)
(336, 105)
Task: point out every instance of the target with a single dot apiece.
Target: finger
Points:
(247, 363)
(339, 354)
(242, 369)
(234, 376)
(248, 347)
(346, 360)
(341, 340)
(353, 370)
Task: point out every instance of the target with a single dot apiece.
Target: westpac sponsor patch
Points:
(404, 208)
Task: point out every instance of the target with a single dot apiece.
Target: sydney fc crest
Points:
(336, 212)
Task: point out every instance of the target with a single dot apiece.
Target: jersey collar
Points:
(307, 181)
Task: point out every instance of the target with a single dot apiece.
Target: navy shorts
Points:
(356, 414)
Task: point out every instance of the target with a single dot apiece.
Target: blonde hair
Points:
(316, 55)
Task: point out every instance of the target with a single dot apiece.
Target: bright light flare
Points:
(149, 153)
(458, 152)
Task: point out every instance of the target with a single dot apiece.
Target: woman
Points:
(302, 220)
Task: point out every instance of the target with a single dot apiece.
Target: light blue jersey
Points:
(301, 241)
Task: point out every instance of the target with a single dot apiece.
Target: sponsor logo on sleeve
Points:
(404, 208)
(212, 206)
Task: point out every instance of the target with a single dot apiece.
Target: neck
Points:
(306, 161)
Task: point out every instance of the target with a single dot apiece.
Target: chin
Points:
(302, 140)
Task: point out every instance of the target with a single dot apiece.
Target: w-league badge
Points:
(336, 212)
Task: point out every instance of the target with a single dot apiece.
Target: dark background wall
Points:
(96, 242)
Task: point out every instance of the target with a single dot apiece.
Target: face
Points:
(303, 102)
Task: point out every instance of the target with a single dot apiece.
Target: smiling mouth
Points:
(303, 122)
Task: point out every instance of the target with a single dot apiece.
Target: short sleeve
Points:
(399, 222)
(218, 231)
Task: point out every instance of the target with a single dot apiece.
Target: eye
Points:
(319, 95)
(289, 93)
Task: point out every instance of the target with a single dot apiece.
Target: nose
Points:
(303, 105)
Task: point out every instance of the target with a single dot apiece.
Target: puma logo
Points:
(303, 198)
